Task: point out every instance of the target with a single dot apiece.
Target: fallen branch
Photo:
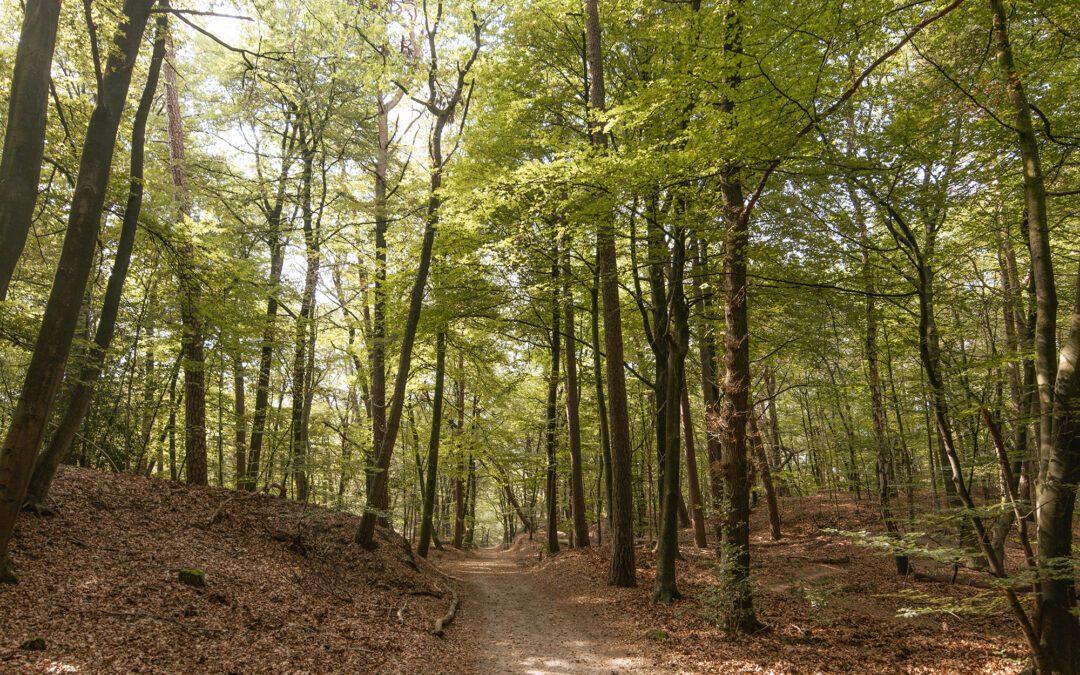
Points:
(441, 624)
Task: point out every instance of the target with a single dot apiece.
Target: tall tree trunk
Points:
(377, 353)
(676, 335)
(431, 479)
(693, 480)
(710, 389)
(573, 417)
(239, 421)
(882, 446)
(192, 341)
(552, 417)
(598, 382)
(266, 353)
(1058, 387)
(762, 461)
(735, 409)
(24, 137)
(304, 325)
(58, 323)
(64, 436)
(460, 492)
(622, 570)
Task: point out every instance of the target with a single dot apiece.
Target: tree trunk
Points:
(697, 508)
(762, 461)
(710, 390)
(64, 436)
(239, 421)
(885, 470)
(24, 137)
(266, 354)
(1059, 424)
(573, 417)
(192, 341)
(552, 417)
(431, 479)
(677, 338)
(304, 325)
(58, 323)
(622, 570)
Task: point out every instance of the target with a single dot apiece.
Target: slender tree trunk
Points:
(710, 390)
(192, 341)
(460, 491)
(697, 508)
(431, 480)
(677, 336)
(304, 325)
(573, 417)
(266, 354)
(239, 421)
(24, 137)
(58, 324)
(622, 570)
(762, 461)
(601, 404)
(877, 402)
(552, 417)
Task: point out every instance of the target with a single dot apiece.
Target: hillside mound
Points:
(286, 589)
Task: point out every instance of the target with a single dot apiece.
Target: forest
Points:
(602, 335)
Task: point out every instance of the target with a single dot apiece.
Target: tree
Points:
(61, 313)
(24, 137)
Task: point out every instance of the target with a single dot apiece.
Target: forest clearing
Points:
(539, 336)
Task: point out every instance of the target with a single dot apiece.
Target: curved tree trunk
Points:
(60, 444)
(58, 324)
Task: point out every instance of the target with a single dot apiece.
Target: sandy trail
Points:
(523, 625)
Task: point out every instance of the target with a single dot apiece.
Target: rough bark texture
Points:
(192, 342)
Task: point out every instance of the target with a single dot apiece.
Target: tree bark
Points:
(552, 417)
(192, 341)
(58, 324)
(24, 137)
(1057, 388)
(622, 570)
(304, 324)
(573, 405)
(378, 498)
(693, 480)
(266, 353)
(64, 436)
(431, 479)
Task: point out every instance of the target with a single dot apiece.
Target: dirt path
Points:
(523, 625)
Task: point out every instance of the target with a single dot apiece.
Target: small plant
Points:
(816, 596)
(720, 601)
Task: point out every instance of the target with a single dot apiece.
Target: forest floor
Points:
(830, 606)
(286, 589)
